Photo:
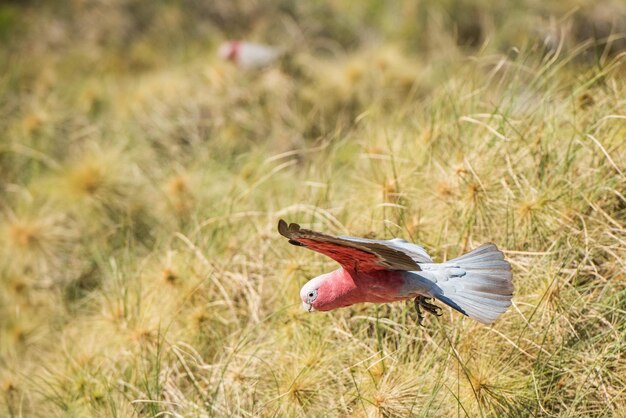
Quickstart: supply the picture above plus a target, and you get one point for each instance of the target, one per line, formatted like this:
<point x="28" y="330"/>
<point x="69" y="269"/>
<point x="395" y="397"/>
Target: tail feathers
<point x="484" y="290"/>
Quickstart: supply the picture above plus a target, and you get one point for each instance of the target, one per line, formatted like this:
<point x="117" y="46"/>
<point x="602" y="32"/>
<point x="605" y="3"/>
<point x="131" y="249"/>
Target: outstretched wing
<point x="360" y="254"/>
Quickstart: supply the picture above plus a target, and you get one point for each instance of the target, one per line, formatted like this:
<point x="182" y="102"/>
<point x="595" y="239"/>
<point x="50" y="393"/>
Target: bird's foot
<point x="422" y="302"/>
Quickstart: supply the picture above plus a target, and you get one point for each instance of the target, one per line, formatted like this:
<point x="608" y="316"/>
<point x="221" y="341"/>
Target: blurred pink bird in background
<point x="477" y="284"/>
<point x="249" y="55"/>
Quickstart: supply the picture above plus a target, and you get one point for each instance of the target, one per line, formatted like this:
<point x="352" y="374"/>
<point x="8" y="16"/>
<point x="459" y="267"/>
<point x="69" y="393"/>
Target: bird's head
<point x="313" y="292"/>
<point x="328" y="291"/>
<point x="229" y="50"/>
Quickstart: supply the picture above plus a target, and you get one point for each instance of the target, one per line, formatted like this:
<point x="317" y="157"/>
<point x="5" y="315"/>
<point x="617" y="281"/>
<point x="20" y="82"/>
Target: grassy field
<point x="141" y="181"/>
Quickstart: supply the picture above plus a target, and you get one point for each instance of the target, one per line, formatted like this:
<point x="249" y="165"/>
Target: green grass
<point x="141" y="273"/>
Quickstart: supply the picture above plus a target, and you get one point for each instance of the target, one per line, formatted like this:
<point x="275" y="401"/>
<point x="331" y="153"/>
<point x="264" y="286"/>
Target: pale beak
<point x="308" y="307"/>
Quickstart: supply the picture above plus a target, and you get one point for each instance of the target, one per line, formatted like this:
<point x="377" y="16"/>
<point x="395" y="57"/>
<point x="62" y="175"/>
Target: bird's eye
<point x="312" y="295"/>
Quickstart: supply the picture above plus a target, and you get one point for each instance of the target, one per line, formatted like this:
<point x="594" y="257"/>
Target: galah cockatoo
<point x="477" y="284"/>
<point x="249" y="55"/>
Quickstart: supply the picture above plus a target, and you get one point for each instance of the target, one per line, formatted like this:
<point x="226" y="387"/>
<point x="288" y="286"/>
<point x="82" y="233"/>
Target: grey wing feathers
<point x="417" y="253"/>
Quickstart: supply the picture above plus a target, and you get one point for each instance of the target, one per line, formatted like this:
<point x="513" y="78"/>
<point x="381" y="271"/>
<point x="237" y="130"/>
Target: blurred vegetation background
<point x="141" y="180"/>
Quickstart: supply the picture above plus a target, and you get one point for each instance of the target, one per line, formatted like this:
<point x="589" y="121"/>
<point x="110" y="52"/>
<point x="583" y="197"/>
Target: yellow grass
<point x="141" y="273"/>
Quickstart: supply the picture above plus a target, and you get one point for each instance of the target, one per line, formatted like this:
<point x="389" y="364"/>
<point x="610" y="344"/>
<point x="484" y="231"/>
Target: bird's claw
<point x="422" y="302"/>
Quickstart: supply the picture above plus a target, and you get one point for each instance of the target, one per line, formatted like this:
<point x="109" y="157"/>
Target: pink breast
<point x="345" y="288"/>
<point x="381" y="286"/>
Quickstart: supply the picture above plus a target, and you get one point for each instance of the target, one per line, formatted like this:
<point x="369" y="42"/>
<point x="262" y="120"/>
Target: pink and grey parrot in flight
<point x="249" y="55"/>
<point x="477" y="284"/>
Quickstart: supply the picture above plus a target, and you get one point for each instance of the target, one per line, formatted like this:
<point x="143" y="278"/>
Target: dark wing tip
<point x="283" y="229"/>
<point x="294" y="227"/>
<point x="288" y="231"/>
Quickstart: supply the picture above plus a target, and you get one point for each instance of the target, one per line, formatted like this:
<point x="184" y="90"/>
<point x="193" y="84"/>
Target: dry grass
<point x="140" y="270"/>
